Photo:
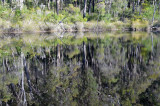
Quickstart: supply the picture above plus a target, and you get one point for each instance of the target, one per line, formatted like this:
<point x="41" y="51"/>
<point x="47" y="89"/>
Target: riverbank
<point x="37" y="21"/>
<point x="38" y="27"/>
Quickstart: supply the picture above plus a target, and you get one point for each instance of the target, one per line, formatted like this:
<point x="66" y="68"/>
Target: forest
<point x="79" y="53"/>
<point x="78" y="15"/>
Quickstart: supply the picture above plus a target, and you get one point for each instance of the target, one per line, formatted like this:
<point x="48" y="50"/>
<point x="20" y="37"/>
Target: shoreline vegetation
<point x="80" y="27"/>
<point x="101" y="26"/>
<point x="24" y="16"/>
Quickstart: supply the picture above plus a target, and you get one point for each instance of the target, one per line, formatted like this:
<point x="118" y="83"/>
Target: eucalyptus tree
<point x="57" y="6"/>
<point x="85" y="8"/>
<point x="89" y="7"/>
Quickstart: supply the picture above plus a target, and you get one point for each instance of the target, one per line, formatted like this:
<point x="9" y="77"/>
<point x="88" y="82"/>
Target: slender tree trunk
<point x="84" y="55"/>
<point x="49" y="2"/>
<point x="106" y="6"/>
<point x="27" y="74"/>
<point x="155" y="7"/>
<point x="89" y="8"/>
<point x="76" y="3"/>
<point x="85" y="8"/>
<point x="159" y="9"/>
<point x="10" y="3"/>
<point x="142" y="1"/>
<point x="3" y="1"/>
<point x="23" y="101"/>
<point x="93" y="5"/>
<point x="57" y="6"/>
<point x="110" y="4"/>
<point x="80" y="4"/>
<point x="58" y="55"/>
<point x="123" y="12"/>
<point x="21" y="4"/>
<point x="129" y="3"/>
<point x="138" y="1"/>
<point x="133" y="7"/>
<point x="61" y="4"/>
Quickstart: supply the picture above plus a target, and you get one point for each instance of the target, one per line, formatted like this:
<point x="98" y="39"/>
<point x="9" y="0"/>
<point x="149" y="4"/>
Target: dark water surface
<point x="106" y="69"/>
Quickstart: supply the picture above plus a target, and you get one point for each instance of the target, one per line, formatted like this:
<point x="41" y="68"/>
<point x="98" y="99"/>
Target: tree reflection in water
<point x="89" y="70"/>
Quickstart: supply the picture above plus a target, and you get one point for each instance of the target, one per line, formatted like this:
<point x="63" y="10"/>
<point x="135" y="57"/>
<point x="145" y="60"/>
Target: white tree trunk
<point x="23" y="101"/>
<point x="85" y="8"/>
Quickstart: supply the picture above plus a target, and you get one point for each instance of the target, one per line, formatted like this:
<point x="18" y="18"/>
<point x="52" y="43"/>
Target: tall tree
<point x="85" y="8"/>
<point x="89" y="7"/>
<point x="155" y="7"/>
<point x="57" y="6"/>
<point x="93" y="5"/>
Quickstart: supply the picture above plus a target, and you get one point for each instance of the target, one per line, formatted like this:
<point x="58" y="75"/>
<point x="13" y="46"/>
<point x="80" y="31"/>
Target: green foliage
<point x="4" y="12"/>
<point x="140" y="24"/>
<point x="72" y="10"/>
<point x="32" y="17"/>
<point x="101" y="8"/>
<point x="17" y="16"/>
<point x="148" y="13"/>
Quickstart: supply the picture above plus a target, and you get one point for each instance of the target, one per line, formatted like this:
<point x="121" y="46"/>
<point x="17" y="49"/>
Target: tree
<point x="85" y="8"/>
<point x="89" y="7"/>
<point x="57" y="6"/>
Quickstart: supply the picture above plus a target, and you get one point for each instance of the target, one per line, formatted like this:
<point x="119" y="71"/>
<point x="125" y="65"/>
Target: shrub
<point x="140" y="24"/>
<point x="30" y="26"/>
<point x="90" y="25"/>
<point x="101" y="8"/>
<point x="68" y="27"/>
<point x="75" y="18"/>
<point x="73" y="10"/>
<point x="79" y="26"/>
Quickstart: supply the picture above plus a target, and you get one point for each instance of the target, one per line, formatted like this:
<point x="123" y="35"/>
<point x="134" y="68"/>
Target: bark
<point x="89" y="7"/>
<point x="154" y="12"/>
<point x="49" y="2"/>
<point x="61" y="4"/>
<point x="3" y="1"/>
<point x="110" y="4"/>
<point x="21" y="4"/>
<point x="76" y="3"/>
<point x="138" y="1"/>
<point x="84" y="55"/>
<point x="80" y="4"/>
<point x="58" y="55"/>
<point x="23" y="101"/>
<point x="106" y="6"/>
<point x="133" y="8"/>
<point x="27" y="74"/>
<point x="129" y="3"/>
<point x="57" y="6"/>
<point x="93" y="5"/>
<point x="85" y="8"/>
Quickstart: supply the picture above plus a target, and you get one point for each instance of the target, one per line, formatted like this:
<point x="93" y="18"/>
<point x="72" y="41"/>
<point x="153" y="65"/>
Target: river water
<point x="80" y="69"/>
